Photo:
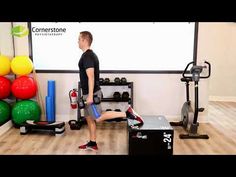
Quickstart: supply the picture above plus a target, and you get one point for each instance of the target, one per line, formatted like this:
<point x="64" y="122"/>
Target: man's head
<point x="85" y="39"/>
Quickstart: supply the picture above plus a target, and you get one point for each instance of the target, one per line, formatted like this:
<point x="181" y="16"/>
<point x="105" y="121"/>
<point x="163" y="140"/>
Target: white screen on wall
<point x="132" y="46"/>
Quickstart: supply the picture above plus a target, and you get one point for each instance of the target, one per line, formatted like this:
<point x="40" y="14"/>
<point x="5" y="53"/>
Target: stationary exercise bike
<point x="188" y="115"/>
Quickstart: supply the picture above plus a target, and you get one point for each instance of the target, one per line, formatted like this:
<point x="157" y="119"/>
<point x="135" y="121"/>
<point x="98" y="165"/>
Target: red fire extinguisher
<point x="73" y="98"/>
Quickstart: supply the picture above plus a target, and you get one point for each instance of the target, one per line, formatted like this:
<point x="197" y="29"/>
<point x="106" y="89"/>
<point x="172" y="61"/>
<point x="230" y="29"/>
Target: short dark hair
<point x="87" y="35"/>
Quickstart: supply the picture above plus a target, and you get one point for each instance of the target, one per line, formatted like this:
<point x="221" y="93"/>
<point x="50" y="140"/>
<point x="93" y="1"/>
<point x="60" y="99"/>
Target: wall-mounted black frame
<point x="195" y="47"/>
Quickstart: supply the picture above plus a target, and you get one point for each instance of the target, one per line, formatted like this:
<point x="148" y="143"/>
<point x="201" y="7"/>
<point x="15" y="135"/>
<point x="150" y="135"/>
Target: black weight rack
<point x="81" y="120"/>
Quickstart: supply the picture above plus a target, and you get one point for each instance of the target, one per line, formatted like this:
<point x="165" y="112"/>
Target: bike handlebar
<point x="202" y="77"/>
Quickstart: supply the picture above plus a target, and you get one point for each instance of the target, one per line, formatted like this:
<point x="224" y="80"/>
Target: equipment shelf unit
<point x="80" y="118"/>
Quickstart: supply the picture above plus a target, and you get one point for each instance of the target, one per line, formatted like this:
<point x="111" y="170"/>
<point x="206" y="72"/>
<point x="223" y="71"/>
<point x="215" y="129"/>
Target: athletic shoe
<point x="88" y="146"/>
<point x="131" y="114"/>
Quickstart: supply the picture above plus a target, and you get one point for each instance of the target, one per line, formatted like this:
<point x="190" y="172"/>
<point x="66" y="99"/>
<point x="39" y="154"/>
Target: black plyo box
<point x="155" y="137"/>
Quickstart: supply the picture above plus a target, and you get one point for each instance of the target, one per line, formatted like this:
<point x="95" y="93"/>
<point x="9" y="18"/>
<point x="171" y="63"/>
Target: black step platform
<point x="58" y="128"/>
<point x="154" y="137"/>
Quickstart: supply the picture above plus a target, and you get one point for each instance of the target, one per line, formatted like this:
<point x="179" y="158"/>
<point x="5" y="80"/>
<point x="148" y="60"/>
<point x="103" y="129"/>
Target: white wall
<point x="154" y="94"/>
<point x="21" y="43"/>
<point x="6" y="45"/>
<point x="217" y="43"/>
<point x="6" y="48"/>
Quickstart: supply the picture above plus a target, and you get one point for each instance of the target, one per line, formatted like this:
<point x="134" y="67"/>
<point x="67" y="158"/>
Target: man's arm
<point x="90" y="74"/>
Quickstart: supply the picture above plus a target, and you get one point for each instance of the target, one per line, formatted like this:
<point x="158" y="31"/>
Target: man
<point x="89" y="79"/>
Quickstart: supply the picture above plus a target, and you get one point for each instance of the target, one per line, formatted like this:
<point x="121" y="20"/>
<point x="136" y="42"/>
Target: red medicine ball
<point x="5" y="87"/>
<point x="24" y="87"/>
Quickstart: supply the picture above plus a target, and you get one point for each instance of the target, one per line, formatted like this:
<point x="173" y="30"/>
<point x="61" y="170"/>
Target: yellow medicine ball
<point x="5" y="65"/>
<point x="21" y="65"/>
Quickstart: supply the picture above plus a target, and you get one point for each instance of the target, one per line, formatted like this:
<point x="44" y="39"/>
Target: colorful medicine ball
<point x="24" y="87"/>
<point x="25" y="110"/>
<point x="5" y="65"/>
<point x="21" y="65"/>
<point x="5" y="87"/>
<point x="5" y="111"/>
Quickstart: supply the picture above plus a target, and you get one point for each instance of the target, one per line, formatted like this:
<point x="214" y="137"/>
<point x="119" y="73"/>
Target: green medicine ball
<point x="5" y="111"/>
<point x="25" y="110"/>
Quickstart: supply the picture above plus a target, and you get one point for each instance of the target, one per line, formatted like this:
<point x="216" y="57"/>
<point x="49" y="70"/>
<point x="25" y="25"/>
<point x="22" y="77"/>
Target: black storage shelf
<point x="113" y="100"/>
<point x="129" y="84"/>
<point x="80" y="119"/>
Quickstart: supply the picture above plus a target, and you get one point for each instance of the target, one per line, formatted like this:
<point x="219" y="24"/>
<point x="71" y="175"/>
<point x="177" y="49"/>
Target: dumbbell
<point x="123" y="80"/>
<point x="106" y="80"/>
<point x="108" y="110"/>
<point x="101" y="80"/>
<point x="82" y="103"/>
<point x="117" y="96"/>
<point x="74" y="125"/>
<point x="117" y="110"/>
<point x="117" y="80"/>
<point x="125" y="96"/>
